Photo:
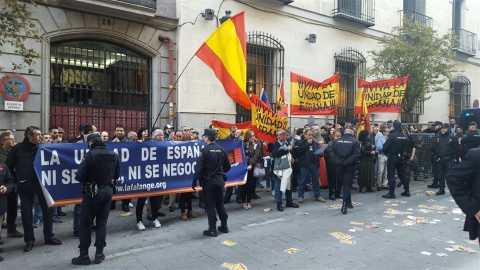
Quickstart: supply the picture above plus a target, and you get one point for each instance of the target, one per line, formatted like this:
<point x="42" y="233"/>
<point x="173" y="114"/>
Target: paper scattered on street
<point x="291" y="250"/>
<point x="460" y="248"/>
<point x="229" y="243"/>
<point x="126" y="214"/>
<point x="302" y="213"/>
<point x="234" y="266"/>
<point x="430" y="193"/>
<point x="388" y="216"/>
<point x="426" y="253"/>
<point x="388" y="230"/>
<point x="442" y="255"/>
<point x="356" y="223"/>
<point x="352" y="230"/>
<point x="451" y="242"/>
<point x="267" y="209"/>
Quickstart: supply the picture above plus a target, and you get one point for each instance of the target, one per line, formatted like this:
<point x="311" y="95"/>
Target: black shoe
<point x="1" y="250"/>
<point x="279" y="207"/>
<point x="292" y="204"/>
<point x="125" y="208"/>
<point x="344" y="208"/>
<point x="350" y="205"/>
<point x="223" y="229"/>
<point x="61" y="213"/>
<point x="210" y="232"/>
<point x="441" y="192"/>
<point x="331" y="197"/>
<point x="433" y="186"/>
<point x="399" y="184"/>
<point x="99" y="258"/>
<point x="1" y="241"/>
<point x="15" y="234"/>
<point x="76" y="234"/>
<point x="53" y="241"/>
<point x="160" y="214"/>
<point x="406" y="194"/>
<point x="1" y="258"/>
<point x="171" y="209"/>
<point x="239" y="201"/>
<point x="81" y="260"/>
<point x="28" y="247"/>
<point x="389" y="196"/>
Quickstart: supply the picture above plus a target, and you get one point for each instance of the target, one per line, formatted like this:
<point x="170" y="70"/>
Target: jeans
<point x="37" y="210"/>
<point x="214" y="200"/>
<point x="97" y="207"/>
<point x="305" y="172"/>
<point x="77" y="211"/>
<point x="278" y="193"/>
<point x="382" y="171"/>
<point x="27" y="215"/>
<point x="12" y="205"/>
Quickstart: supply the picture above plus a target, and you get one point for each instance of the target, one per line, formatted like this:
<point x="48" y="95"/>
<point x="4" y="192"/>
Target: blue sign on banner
<point x="147" y="169"/>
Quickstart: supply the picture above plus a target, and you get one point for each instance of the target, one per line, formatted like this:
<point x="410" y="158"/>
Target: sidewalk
<point x="262" y="237"/>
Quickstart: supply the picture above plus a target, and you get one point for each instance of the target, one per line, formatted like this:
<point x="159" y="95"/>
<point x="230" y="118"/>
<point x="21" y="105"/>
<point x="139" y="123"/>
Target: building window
<point x="459" y="96"/>
<point x="414" y="116"/>
<point x="360" y="11"/>
<point x="350" y="63"/>
<point x="466" y="40"/>
<point x="415" y="10"/>
<point x="265" y="59"/>
<point x="99" y="83"/>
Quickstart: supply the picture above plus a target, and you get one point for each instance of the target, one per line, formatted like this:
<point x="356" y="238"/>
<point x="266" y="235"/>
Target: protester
<point x="185" y="200"/>
<point x="253" y="155"/>
<point x="366" y="166"/>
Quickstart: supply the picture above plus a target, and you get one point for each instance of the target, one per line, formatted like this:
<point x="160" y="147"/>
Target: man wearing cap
<point x="212" y="164"/>
<point x="98" y="172"/>
<point x="168" y="131"/>
<point x="60" y="136"/>
<point x="394" y="148"/>
<point x="445" y="148"/>
<point x="473" y="137"/>
<point x="436" y="127"/>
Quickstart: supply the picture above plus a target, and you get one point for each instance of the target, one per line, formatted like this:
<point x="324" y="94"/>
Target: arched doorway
<point x="351" y="65"/>
<point x="99" y="83"/>
<point x="459" y="96"/>
<point x="265" y="60"/>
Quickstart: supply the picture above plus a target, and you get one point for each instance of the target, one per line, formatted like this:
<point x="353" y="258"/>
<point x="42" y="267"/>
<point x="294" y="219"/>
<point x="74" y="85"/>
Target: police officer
<point x="98" y="171"/>
<point x="473" y="137"/>
<point x="212" y="164"/>
<point x="445" y="148"/>
<point x="394" y="148"/>
<point x="345" y="153"/>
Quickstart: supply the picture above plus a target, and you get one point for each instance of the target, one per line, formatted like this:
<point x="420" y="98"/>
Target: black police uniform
<point x="210" y="169"/>
<point x="471" y="141"/>
<point x="395" y="148"/>
<point x="464" y="184"/>
<point x="445" y="147"/>
<point x="98" y="170"/>
<point x="345" y="153"/>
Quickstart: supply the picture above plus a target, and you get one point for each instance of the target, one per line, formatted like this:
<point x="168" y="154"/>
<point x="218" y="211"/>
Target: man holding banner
<point x="20" y="162"/>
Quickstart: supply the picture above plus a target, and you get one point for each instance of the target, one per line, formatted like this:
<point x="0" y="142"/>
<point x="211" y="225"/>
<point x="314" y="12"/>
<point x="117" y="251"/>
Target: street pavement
<point x="261" y="238"/>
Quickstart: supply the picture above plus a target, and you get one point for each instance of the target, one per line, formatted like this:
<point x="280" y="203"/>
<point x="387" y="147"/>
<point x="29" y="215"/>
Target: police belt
<point x="102" y="186"/>
<point x="214" y="176"/>
<point x="395" y="154"/>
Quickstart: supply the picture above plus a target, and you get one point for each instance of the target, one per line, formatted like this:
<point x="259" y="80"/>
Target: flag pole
<point x="171" y="90"/>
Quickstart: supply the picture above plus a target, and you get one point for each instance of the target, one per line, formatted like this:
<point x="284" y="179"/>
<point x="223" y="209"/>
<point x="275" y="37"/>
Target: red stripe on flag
<point x="231" y="88"/>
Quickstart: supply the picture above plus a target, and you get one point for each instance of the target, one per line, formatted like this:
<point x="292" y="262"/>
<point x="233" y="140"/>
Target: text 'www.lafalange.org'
<point x="137" y="186"/>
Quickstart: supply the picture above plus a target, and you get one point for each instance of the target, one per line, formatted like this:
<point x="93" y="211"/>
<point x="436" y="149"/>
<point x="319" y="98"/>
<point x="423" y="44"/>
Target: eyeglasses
<point x="216" y="130"/>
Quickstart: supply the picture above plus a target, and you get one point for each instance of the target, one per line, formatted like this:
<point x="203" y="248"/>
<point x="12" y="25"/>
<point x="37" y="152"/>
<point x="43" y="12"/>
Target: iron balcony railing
<point x="417" y="17"/>
<point x="143" y="3"/>
<point x="361" y="11"/>
<point x="467" y="41"/>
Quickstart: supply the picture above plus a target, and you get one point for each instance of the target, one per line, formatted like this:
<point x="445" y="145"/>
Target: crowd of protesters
<point x="301" y="144"/>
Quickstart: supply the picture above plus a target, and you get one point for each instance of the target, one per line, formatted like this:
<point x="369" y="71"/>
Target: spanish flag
<point x="225" y="53"/>
<point x="282" y="108"/>
<point x="364" y="119"/>
<point x="358" y="98"/>
<point x="264" y="122"/>
<point x="224" y="128"/>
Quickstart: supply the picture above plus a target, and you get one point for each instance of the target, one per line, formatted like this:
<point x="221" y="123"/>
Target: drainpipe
<point x="170" y="75"/>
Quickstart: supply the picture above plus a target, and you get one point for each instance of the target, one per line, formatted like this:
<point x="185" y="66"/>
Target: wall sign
<point x="14" y="87"/>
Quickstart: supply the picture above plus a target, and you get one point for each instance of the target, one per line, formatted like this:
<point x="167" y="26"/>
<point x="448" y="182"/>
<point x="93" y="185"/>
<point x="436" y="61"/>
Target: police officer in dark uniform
<point x="345" y="153"/>
<point x="212" y="164"/>
<point x="473" y="137"/>
<point x="394" y="148"/>
<point x="98" y="172"/>
<point x="445" y="148"/>
<point x="437" y="126"/>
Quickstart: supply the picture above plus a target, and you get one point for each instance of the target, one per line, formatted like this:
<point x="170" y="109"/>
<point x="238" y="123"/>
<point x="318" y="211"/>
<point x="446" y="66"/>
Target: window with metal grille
<point x="415" y="10"/>
<point x="360" y="11"/>
<point x="459" y="96"/>
<point x="351" y="64"/>
<point x="99" y="83"/>
<point x="265" y="59"/>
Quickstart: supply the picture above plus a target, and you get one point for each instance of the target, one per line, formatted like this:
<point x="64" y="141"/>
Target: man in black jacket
<point x="98" y="171"/>
<point x="464" y="184"/>
<point x="345" y="153"/>
<point x="445" y="148"/>
<point x="309" y="165"/>
<point x="6" y="186"/>
<point x="20" y="162"/>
